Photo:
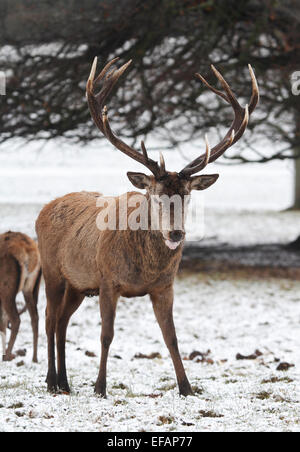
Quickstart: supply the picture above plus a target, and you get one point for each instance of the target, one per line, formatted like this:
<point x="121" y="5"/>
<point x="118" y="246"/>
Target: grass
<point x="263" y="395"/>
<point x="277" y="380"/>
<point x="16" y="405"/>
<point x="166" y="420"/>
<point x="210" y="414"/>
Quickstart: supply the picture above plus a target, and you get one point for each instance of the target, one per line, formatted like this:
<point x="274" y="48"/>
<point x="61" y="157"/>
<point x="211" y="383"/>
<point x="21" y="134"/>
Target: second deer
<point x="20" y="271"/>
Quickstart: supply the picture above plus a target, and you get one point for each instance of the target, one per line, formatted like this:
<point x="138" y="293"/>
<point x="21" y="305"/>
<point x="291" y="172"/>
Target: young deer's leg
<point x="3" y="326"/>
<point x="163" y="308"/>
<point x="108" y="304"/>
<point x="14" y="319"/>
<point x="3" y="339"/>
<point x="31" y="299"/>
<point x="22" y="310"/>
<point x="54" y="299"/>
<point x="71" y="302"/>
<point x="31" y="304"/>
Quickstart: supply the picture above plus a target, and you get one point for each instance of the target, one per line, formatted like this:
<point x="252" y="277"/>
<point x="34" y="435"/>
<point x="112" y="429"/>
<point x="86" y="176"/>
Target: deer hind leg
<point x="54" y="293"/>
<point x="163" y="308"/>
<point x="108" y="304"/>
<point x="71" y="302"/>
<point x="31" y="300"/>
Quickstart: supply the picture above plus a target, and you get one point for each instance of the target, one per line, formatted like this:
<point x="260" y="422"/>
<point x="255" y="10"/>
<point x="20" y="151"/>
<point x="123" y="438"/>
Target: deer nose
<point x="176" y="236"/>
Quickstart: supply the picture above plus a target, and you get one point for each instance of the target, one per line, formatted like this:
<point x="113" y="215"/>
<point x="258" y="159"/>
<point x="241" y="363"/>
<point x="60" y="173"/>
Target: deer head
<point x="163" y="184"/>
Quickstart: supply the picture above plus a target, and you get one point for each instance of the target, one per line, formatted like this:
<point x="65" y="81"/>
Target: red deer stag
<point x="79" y="258"/>
<point x="20" y="271"/>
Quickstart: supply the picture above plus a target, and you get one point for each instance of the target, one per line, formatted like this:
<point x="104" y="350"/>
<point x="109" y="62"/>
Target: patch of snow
<point x="30" y="174"/>
<point x="226" y="316"/>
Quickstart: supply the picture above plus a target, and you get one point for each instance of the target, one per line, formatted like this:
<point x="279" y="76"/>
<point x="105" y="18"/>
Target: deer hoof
<point x="100" y="390"/>
<point x="51" y="381"/>
<point x="185" y="389"/>
<point x="64" y="387"/>
<point x="9" y="357"/>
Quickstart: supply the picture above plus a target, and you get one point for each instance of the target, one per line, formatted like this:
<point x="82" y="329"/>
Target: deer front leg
<point x="108" y="304"/>
<point x="162" y="301"/>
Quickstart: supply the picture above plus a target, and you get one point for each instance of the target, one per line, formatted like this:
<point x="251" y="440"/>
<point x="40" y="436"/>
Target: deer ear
<point x="203" y="182"/>
<point x="139" y="180"/>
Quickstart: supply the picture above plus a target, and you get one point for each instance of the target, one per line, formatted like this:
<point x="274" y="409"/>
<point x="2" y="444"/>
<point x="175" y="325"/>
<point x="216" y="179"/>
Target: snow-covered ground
<point x="226" y="314"/>
<point x="222" y="314"/>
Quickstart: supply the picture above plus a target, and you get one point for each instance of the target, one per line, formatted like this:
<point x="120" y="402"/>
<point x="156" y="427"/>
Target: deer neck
<point x="156" y="257"/>
<point x="153" y="242"/>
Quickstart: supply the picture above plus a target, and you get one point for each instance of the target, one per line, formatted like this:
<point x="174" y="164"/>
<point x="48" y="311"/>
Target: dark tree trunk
<point x="297" y="165"/>
<point x="296" y="204"/>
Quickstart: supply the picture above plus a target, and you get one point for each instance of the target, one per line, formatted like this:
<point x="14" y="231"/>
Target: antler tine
<point x="96" y="101"/>
<point x="255" y="91"/>
<point x="231" y="97"/>
<point x="200" y="163"/>
<point x="102" y="73"/>
<point x="162" y="164"/>
<point x="144" y="151"/>
<point x="238" y="127"/>
<point x="214" y="90"/>
<point x="207" y="152"/>
<point x="104" y="70"/>
<point x="100" y="115"/>
<point x="243" y="126"/>
<point x="233" y="138"/>
<point x="93" y="70"/>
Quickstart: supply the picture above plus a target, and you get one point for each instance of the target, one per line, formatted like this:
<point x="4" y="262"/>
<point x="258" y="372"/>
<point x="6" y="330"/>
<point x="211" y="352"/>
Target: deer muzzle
<point x="174" y="239"/>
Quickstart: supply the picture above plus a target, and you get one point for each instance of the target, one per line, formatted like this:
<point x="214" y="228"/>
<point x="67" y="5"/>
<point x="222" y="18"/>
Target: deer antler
<point x="238" y="127"/>
<point x="99" y="113"/>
